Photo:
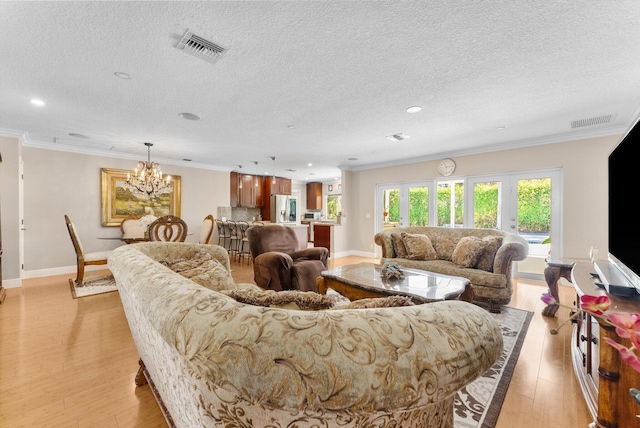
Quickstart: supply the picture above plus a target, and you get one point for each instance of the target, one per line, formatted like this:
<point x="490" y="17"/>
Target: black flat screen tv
<point x="624" y="193"/>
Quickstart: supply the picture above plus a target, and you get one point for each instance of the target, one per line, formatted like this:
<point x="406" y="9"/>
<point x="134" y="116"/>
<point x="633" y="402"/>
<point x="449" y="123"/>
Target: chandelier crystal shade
<point x="147" y="180"/>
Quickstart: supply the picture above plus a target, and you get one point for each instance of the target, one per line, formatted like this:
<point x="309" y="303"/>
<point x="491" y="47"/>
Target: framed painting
<point x="119" y="203"/>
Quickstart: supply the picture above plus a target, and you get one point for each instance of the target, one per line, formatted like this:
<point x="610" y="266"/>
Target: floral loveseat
<point x="216" y="362"/>
<point x="484" y="257"/>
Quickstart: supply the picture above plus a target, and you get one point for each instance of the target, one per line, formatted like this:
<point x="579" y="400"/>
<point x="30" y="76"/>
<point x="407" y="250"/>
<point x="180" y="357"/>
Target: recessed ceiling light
<point x="500" y="128"/>
<point x="122" y="75"/>
<point x="291" y="127"/>
<point x="189" y="116"/>
<point x="77" y="135"/>
<point x="352" y="159"/>
<point x="414" y="109"/>
<point x="37" y="102"/>
<point x="309" y="164"/>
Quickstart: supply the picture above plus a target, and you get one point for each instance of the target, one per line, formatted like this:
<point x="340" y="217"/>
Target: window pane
<point x="391" y="206"/>
<point x="334" y="206"/>
<point x="486" y="210"/>
<point x="419" y="206"/>
<point x="450" y="203"/>
<point x="534" y="213"/>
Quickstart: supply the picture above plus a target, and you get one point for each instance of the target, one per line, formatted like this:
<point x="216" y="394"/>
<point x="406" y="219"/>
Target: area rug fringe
<point x="93" y="286"/>
<point x="478" y="404"/>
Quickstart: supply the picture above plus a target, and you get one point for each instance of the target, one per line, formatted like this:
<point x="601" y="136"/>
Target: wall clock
<point x="446" y="167"/>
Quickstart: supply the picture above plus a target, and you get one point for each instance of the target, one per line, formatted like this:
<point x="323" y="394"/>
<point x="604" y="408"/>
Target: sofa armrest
<point x="384" y="241"/>
<point x="272" y="270"/>
<point x="315" y="253"/>
<point x="514" y="248"/>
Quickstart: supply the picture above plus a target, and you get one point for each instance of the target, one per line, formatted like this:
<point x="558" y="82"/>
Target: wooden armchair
<point x="168" y="228"/>
<point x="84" y="259"/>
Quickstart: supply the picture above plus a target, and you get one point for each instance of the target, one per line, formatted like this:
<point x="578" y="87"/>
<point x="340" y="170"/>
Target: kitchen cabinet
<point x="282" y="186"/>
<point x="246" y="190"/>
<point x="314" y="196"/>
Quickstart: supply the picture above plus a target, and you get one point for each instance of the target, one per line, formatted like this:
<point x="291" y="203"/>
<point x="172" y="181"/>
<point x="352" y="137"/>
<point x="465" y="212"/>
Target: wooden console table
<point x="605" y="379"/>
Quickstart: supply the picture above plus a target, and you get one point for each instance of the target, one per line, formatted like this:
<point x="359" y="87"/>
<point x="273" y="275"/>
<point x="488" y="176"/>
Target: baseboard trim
<point x="12" y="283"/>
<point x="39" y="273"/>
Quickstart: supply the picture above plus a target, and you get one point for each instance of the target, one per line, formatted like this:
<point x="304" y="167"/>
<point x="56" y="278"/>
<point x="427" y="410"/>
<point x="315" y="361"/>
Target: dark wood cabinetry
<point x="282" y="186"/>
<point x="605" y="379"/>
<point x="246" y="190"/>
<point x="314" y="196"/>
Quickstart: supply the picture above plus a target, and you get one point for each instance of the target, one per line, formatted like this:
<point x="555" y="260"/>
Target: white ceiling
<point x="341" y="74"/>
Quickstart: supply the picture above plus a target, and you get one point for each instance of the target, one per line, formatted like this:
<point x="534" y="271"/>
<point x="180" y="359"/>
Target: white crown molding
<point x="558" y="138"/>
<point x="28" y="142"/>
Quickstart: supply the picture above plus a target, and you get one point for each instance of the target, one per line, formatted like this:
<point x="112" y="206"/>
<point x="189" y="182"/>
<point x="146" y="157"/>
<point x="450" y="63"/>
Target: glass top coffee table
<point x="363" y="280"/>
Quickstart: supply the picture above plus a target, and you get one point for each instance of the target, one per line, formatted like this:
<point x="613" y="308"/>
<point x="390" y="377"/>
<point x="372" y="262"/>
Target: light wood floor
<point x="71" y="362"/>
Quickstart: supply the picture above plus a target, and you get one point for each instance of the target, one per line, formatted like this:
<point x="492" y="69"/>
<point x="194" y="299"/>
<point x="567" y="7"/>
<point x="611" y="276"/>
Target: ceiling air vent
<point x="591" y="121"/>
<point x="197" y="46"/>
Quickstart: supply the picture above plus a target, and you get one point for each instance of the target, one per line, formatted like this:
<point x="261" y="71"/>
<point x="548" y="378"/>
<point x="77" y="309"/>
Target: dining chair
<point x="131" y="229"/>
<point x="84" y="259"/>
<point x="168" y="228"/>
<point x="206" y="231"/>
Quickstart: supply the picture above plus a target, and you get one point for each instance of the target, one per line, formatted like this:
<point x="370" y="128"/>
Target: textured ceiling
<point x="316" y="82"/>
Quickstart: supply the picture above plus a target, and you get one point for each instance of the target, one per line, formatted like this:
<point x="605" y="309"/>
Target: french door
<point x="527" y="204"/>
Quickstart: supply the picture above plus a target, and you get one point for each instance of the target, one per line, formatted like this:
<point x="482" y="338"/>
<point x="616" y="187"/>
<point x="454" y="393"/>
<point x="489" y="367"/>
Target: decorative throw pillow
<point x="485" y="261"/>
<point x="468" y="251"/>
<point x="444" y="246"/>
<point x="203" y="270"/>
<point x="418" y="247"/>
<point x="398" y="246"/>
<point x="379" y="302"/>
<point x="287" y="299"/>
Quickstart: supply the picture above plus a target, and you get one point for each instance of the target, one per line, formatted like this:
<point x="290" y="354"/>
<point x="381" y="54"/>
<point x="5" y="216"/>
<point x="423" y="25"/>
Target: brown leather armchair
<point x="278" y="264"/>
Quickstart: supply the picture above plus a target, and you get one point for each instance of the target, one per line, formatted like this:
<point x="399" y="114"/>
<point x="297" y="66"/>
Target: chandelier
<point x="147" y="180"/>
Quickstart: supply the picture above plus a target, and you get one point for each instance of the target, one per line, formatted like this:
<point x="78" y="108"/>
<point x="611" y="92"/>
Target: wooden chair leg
<point x="80" y="276"/>
<point x="140" y="379"/>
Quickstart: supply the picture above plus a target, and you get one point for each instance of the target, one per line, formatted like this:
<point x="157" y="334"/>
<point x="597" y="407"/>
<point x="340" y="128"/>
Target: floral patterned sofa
<point x="484" y="257"/>
<point x="216" y="362"/>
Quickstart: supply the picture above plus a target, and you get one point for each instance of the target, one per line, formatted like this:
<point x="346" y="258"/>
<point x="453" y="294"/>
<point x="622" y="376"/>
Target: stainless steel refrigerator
<point x="284" y="209"/>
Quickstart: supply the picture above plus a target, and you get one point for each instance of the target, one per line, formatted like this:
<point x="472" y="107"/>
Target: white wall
<point x="584" y="166"/>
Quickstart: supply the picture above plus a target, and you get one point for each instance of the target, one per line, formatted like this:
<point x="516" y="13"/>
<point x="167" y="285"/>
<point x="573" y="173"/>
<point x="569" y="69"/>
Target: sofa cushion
<point x="398" y="245"/>
<point x="203" y="270"/>
<point x="444" y="246"/>
<point x="418" y="247"/>
<point x="485" y="261"/>
<point x="467" y="251"/>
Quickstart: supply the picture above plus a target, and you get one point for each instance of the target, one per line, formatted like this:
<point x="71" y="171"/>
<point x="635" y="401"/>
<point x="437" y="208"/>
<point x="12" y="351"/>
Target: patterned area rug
<point x="93" y="286"/>
<point x="478" y="404"/>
